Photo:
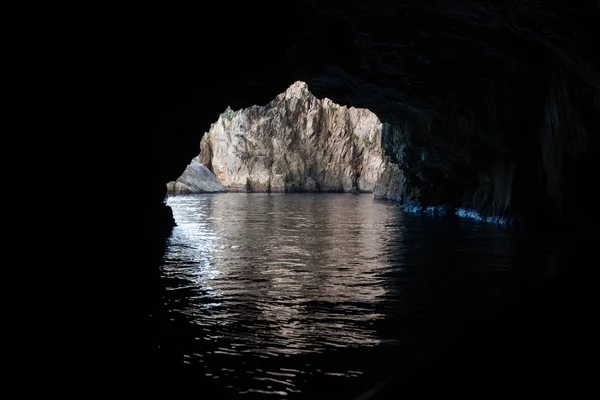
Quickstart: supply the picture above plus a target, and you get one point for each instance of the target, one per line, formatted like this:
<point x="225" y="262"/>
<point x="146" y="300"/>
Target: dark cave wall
<point x="517" y="159"/>
<point x="474" y="93"/>
<point x="489" y="105"/>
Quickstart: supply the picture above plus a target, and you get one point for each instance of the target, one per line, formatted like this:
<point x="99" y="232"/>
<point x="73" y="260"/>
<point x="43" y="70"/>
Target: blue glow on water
<point x="459" y="212"/>
<point x="431" y="210"/>
<point x="412" y="208"/>
<point x="438" y="210"/>
<point x="466" y="213"/>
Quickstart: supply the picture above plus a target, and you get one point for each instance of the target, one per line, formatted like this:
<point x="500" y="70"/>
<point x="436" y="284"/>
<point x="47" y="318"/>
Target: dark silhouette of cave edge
<point x="177" y="98"/>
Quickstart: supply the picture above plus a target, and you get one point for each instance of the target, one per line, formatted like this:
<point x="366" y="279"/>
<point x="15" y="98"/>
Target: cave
<point x="490" y="106"/>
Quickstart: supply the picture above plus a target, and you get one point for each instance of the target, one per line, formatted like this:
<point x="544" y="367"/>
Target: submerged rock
<point x="296" y="143"/>
<point x="195" y="179"/>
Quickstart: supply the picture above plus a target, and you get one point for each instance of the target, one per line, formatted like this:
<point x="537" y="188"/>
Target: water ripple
<point x="262" y="283"/>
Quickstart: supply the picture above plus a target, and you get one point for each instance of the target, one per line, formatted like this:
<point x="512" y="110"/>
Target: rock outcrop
<point x="195" y="179"/>
<point x="391" y="184"/>
<point x="296" y="143"/>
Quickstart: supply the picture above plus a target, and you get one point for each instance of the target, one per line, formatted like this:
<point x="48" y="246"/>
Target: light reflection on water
<point x="274" y="287"/>
<point x="279" y="260"/>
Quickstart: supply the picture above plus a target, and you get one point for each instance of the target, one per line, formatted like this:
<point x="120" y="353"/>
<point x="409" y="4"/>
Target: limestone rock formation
<point x="195" y="179"/>
<point x="296" y="143"/>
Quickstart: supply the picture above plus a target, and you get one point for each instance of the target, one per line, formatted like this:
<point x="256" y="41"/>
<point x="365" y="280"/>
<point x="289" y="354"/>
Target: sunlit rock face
<point x="296" y="143"/>
<point x="195" y="179"/>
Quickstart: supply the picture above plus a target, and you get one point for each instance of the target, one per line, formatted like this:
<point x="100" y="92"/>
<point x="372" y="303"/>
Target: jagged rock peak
<point x="298" y="90"/>
<point x="295" y="143"/>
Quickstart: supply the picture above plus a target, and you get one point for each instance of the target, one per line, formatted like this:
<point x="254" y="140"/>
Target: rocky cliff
<point x="195" y="179"/>
<point x="296" y="143"/>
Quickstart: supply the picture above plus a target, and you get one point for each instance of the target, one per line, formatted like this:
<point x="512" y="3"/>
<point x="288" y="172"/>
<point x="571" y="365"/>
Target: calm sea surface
<point x="294" y="295"/>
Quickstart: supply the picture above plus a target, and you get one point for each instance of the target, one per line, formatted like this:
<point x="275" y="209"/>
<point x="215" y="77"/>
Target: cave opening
<point x="488" y="112"/>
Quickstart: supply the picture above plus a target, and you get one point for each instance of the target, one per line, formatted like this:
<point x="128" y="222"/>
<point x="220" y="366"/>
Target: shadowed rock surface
<point x="390" y="184"/>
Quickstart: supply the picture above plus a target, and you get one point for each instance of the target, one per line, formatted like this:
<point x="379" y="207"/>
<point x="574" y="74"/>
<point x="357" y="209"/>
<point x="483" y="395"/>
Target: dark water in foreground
<point x="297" y="295"/>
